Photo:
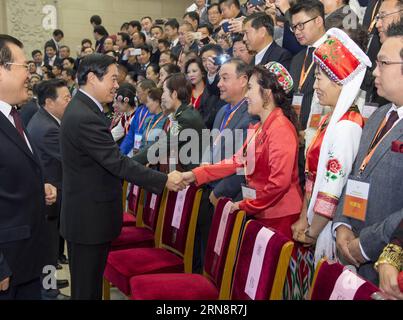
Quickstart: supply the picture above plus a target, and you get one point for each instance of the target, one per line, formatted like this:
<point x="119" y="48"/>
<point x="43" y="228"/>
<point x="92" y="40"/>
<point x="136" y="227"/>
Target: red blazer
<point x="275" y="173"/>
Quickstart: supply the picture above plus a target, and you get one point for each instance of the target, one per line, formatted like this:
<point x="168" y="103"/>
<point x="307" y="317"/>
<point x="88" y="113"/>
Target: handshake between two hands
<point x="178" y="181"/>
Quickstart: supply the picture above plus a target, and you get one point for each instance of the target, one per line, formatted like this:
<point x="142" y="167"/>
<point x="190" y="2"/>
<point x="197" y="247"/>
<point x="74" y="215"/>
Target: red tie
<point x="17" y="122"/>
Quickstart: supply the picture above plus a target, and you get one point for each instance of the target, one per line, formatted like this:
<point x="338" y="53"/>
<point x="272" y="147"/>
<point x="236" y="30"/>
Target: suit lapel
<point x="48" y="116"/>
<point x="266" y="58"/>
<point x="384" y="146"/>
<point x="12" y="133"/>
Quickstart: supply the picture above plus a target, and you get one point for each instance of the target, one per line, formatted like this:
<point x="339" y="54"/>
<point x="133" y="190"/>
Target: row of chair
<point x="152" y="257"/>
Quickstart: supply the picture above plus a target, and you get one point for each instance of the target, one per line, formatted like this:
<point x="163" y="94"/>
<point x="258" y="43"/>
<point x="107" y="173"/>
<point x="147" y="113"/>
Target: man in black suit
<point x="259" y="29"/>
<point x="58" y="35"/>
<point x="51" y="58"/>
<point x="23" y="192"/>
<point x="93" y="169"/>
<point x="308" y="25"/>
<point x="44" y="128"/>
<point x="28" y="109"/>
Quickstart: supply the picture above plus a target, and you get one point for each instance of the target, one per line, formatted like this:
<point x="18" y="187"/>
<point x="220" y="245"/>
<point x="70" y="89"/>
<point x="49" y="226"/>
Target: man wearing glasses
<point x="23" y="193"/>
<point x="378" y="166"/>
<point x="390" y="11"/>
<point x="307" y="23"/>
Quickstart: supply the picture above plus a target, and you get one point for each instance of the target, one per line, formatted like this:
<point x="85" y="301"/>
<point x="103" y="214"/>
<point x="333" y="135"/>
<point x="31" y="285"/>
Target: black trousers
<point x="204" y="219"/>
<point x="87" y="264"/>
<point x="26" y="291"/>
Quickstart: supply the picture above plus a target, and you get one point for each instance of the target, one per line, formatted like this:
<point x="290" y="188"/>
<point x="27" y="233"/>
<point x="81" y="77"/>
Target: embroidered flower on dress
<point x="334" y="169"/>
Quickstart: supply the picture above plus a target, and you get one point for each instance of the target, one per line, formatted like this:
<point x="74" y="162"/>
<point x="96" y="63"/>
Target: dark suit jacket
<point x="231" y="186"/>
<point x="22" y="203"/>
<point x="28" y="110"/>
<point x="278" y="54"/>
<point x="93" y="168"/>
<point x="187" y="118"/>
<point x="209" y="106"/>
<point x="307" y="89"/>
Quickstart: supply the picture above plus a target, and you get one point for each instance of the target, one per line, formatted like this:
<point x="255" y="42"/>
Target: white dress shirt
<point x="93" y="99"/>
<point x="5" y="109"/>
<point x="259" y="56"/>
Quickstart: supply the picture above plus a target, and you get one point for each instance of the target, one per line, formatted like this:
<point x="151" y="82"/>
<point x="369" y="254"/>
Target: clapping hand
<point x="175" y="181"/>
<point x="50" y="194"/>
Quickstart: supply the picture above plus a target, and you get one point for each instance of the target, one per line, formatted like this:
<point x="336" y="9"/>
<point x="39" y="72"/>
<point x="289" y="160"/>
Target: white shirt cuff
<point x="338" y="224"/>
<point x="363" y="253"/>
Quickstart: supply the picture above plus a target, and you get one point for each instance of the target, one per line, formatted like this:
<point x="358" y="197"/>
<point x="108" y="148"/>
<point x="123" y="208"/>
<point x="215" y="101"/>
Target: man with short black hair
<point x="214" y="18"/>
<point x="134" y="26"/>
<point x="231" y="9"/>
<point x="259" y="29"/>
<point x="64" y="52"/>
<point x="53" y="97"/>
<point x="193" y="18"/>
<point x="24" y="192"/>
<point x="93" y="168"/>
<point x="146" y="24"/>
<point x="96" y="20"/>
<point x="308" y="25"/>
<point x="38" y="59"/>
<point x="58" y="35"/>
<point x="171" y="29"/>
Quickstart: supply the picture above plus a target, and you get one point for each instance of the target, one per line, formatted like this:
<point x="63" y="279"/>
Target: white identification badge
<point x="137" y="141"/>
<point x="248" y="193"/>
<point x="256" y="264"/>
<point x="178" y="211"/>
<point x="222" y="227"/>
<point x="356" y="199"/>
<point x="346" y="286"/>
<point x="368" y="110"/>
<point x="136" y="190"/>
<point x="297" y="102"/>
<point x="153" y="201"/>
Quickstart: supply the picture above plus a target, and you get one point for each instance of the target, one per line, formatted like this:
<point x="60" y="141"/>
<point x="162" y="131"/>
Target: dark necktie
<point x="18" y="123"/>
<point x="309" y="57"/>
<point x="393" y="117"/>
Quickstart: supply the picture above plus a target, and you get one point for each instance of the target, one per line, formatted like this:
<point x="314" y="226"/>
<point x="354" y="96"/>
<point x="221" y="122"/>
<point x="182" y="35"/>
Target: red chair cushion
<point x="124" y="264"/>
<point x="133" y="237"/>
<point x="326" y="280"/>
<point x="129" y="219"/>
<point x="269" y="266"/>
<point x="175" y="286"/>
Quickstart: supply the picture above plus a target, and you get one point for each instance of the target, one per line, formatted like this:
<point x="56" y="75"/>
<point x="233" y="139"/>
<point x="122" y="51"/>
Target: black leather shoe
<point x="63" y="260"/>
<point x="62" y="283"/>
<point x="59" y="266"/>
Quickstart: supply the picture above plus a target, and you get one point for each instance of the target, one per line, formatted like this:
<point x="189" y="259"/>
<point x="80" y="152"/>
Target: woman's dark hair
<point x="199" y="63"/>
<point x="155" y="94"/>
<point x="268" y="80"/>
<point x="126" y="90"/>
<point x="179" y="83"/>
<point x="96" y="63"/>
<point x="171" y="68"/>
<point x="155" y="67"/>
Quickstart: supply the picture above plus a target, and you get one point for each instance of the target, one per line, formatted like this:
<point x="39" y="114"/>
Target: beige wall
<point x="23" y="18"/>
<point x="74" y="15"/>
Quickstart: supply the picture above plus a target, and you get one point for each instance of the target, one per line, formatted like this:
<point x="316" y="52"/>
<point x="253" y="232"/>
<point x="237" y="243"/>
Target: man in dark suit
<point x="307" y="18"/>
<point x="28" y="109"/>
<point x="93" y="169"/>
<point x="22" y="192"/>
<point x="379" y="167"/>
<point x="44" y="128"/>
<point x="58" y="35"/>
<point x="51" y="58"/>
<point x="259" y="29"/>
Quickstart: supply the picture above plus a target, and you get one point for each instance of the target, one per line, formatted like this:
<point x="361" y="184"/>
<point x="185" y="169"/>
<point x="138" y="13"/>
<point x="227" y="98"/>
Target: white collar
<point x="53" y="116"/>
<point x="259" y="57"/>
<point x="175" y="42"/>
<point x="93" y="99"/>
<point x="5" y="108"/>
<point x="398" y="109"/>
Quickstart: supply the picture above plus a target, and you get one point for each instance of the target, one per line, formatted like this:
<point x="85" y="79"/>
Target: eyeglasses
<point x="26" y="66"/>
<point x="381" y="16"/>
<point x="301" y="26"/>
<point x="383" y="63"/>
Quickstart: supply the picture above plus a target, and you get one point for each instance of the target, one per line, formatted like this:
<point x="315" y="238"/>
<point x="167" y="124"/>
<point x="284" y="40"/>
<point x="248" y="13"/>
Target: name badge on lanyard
<point x="356" y="199"/>
<point x="316" y="115"/>
<point x="137" y="141"/>
<point x="297" y="103"/>
<point x="248" y="193"/>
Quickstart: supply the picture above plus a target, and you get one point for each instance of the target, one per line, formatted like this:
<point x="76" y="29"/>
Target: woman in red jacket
<point x="269" y="155"/>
